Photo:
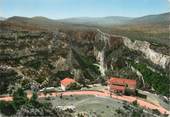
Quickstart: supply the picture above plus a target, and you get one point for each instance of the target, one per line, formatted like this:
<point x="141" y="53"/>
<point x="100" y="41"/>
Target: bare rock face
<point x="87" y="55"/>
<point x="144" y="47"/>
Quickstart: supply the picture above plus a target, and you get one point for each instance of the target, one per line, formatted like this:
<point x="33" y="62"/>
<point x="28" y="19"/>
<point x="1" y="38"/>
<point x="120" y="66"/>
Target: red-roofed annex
<point x="66" y="82"/>
<point x="119" y="85"/>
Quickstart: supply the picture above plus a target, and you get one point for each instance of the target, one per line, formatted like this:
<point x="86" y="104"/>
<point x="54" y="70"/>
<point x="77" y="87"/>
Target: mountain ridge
<point x="163" y="18"/>
<point x="2" y="18"/>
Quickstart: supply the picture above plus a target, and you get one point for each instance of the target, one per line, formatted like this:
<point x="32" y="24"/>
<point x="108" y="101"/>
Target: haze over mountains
<point x="38" y="53"/>
<point x="2" y="18"/>
<point x="103" y="21"/>
<point x="162" y="19"/>
<point x="151" y="28"/>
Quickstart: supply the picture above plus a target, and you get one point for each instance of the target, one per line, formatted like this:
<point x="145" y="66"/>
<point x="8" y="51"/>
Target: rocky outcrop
<point x="144" y="47"/>
<point x="67" y="108"/>
<point x="88" y="56"/>
<point x="139" y="75"/>
<point x="41" y="112"/>
<point x="102" y="42"/>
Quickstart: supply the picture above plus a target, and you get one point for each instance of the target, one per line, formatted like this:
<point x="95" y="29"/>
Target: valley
<point x="38" y="53"/>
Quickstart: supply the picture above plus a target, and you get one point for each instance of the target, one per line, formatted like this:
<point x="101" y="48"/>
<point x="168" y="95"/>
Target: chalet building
<point x="120" y="85"/>
<point x="66" y="82"/>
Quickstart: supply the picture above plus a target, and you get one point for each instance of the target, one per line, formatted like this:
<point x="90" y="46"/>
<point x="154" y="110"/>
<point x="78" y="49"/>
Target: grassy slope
<point x="103" y="107"/>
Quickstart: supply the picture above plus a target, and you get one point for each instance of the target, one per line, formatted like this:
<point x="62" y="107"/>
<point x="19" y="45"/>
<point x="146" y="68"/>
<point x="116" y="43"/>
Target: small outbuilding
<point x="65" y="83"/>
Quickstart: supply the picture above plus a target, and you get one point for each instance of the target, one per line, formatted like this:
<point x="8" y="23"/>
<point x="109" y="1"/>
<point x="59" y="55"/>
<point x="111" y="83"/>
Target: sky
<point x="58" y="9"/>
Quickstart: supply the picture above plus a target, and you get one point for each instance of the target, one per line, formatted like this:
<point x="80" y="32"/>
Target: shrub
<point x="63" y="74"/>
<point x="19" y="99"/>
<point x="33" y="101"/>
<point x="119" y="111"/>
<point x="25" y="82"/>
<point x="135" y="103"/>
<point x="136" y="114"/>
<point x="156" y="111"/>
<point x="7" y="108"/>
<point x="74" y="86"/>
<point x="129" y="92"/>
<point x="40" y="79"/>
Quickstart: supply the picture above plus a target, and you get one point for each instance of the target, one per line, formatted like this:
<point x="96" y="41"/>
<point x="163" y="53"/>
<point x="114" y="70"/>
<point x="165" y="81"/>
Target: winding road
<point x="130" y="99"/>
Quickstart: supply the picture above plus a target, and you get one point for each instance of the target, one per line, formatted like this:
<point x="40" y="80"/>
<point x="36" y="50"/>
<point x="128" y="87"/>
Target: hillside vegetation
<point x="42" y="51"/>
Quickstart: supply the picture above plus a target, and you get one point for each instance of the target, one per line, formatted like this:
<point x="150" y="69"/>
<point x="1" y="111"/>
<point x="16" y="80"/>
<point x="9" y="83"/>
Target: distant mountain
<point x="161" y="19"/>
<point x="96" y="21"/>
<point x="18" y="18"/>
<point x="37" y="19"/>
<point x="152" y="19"/>
<point x="102" y="21"/>
<point x="42" y="19"/>
<point x="2" y="18"/>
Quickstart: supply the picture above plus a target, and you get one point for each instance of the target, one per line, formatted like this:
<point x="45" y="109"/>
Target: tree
<point x="33" y="102"/>
<point x="79" y="77"/>
<point x="34" y="98"/>
<point x="19" y="98"/>
<point x="7" y="108"/>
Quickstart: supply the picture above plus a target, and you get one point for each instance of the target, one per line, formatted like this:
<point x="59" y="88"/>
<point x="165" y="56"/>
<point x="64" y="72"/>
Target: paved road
<point x="130" y="99"/>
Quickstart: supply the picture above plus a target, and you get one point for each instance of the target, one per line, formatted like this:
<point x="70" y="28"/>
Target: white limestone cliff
<point x="144" y="47"/>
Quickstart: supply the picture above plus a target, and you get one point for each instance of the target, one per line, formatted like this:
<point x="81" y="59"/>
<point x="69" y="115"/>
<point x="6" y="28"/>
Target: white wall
<point x="63" y="87"/>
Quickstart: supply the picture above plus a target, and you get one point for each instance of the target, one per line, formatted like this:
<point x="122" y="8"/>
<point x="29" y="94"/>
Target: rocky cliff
<point x="150" y="54"/>
<point x="144" y="47"/>
<point x="90" y="56"/>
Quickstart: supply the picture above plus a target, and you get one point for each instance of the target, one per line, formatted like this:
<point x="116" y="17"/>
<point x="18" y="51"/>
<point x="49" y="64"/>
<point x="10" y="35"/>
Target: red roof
<point x="117" y="88"/>
<point x="122" y="81"/>
<point x="67" y="81"/>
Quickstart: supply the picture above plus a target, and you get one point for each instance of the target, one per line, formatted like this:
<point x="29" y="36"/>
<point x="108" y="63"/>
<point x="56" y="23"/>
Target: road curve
<point x="129" y="99"/>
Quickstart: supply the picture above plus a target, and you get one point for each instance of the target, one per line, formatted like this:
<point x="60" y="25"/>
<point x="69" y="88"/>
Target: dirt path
<point x="6" y="98"/>
<point x="130" y="99"/>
